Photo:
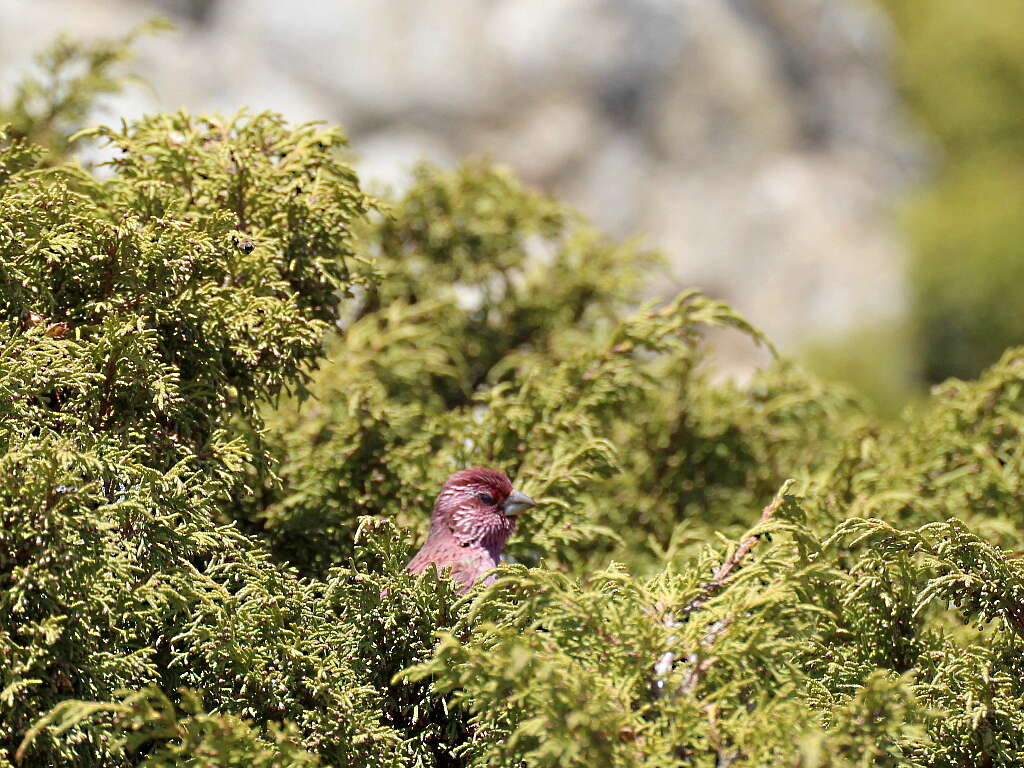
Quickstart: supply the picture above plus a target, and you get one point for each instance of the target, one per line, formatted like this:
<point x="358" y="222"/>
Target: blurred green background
<point x="959" y="67"/>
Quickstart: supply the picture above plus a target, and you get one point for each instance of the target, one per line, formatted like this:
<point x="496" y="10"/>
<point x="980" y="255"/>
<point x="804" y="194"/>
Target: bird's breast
<point x="466" y="565"/>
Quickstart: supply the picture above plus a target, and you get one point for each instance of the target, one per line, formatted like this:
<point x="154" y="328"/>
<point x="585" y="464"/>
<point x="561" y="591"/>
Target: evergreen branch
<point x="735" y="560"/>
<point x="699" y="667"/>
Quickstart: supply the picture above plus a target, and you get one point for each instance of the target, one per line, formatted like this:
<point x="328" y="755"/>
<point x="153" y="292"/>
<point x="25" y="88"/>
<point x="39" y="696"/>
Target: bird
<point x="473" y="517"/>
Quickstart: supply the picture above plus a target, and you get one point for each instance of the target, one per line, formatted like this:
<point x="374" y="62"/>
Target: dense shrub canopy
<point x="231" y="385"/>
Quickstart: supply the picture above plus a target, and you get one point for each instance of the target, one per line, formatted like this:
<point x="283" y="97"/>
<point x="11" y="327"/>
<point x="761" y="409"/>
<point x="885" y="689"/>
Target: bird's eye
<point x="486" y="498"/>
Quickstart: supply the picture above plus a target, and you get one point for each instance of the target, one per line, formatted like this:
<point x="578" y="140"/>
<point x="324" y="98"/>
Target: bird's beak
<point x="516" y="502"/>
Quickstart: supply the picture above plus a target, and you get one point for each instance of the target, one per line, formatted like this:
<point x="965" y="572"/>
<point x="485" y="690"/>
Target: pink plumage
<point x="472" y="519"/>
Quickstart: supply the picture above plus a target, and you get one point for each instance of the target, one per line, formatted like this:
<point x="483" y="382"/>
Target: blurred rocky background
<point x="764" y="145"/>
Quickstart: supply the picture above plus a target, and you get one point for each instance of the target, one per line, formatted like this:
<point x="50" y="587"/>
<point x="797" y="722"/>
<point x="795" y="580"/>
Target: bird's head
<point x="479" y="507"/>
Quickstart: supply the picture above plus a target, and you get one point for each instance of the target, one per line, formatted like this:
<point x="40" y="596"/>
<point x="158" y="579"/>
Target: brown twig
<point x="722" y="573"/>
<point x="723" y="759"/>
<point x="698" y="667"/>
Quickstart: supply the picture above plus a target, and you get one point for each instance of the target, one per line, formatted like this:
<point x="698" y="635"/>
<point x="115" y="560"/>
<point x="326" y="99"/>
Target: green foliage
<point x="173" y="737"/>
<point x="230" y="392"/>
<point x="144" y="317"/>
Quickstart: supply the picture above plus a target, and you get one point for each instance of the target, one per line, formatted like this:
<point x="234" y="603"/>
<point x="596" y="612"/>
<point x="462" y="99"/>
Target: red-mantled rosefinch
<point x="473" y="517"/>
